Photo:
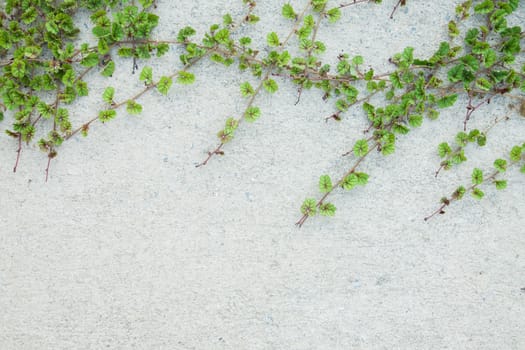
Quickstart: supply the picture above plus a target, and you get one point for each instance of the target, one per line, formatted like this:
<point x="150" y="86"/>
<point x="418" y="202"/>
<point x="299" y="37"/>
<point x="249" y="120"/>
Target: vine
<point x="44" y="71"/>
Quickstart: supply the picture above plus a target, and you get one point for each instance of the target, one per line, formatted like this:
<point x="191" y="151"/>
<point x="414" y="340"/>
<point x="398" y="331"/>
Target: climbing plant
<point x="45" y="70"/>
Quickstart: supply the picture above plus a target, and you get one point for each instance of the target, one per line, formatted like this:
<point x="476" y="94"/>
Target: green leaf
<point x="270" y="85"/>
<point x="327" y="209"/>
<point x="500" y="165"/>
<point x="81" y="88"/>
<point x="90" y="60"/>
<point x="447" y="101"/>
<point x="357" y="60"/>
<point x="415" y="120"/>
<point x="309" y="207"/>
<point x="400" y="129"/>
<point x="361" y="148"/>
<point x="500" y="184"/>
<point x="146" y="75"/>
<point x="164" y="84"/>
<point x="247" y="89"/>
<point x="453" y="30"/>
<point x="227" y="19"/>
<point x="489" y="58"/>
<point x="18" y="68"/>
<point x="288" y="11"/>
<point x="252" y="114"/>
<point x="350" y="181"/>
<point x="325" y="183"/>
<point x="485" y="7"/>
<point x="483" y="84"/>
<point x="185" y="78"/>
<point x="522" y="169"/>
<point x="477" y="176"/>
<point x="471" y="62"/>
<point x="185" y="33"/>
<point x="108" y="95"/>
<point x="333" y="15"/>
<point x="455" y="74"/>
<point x="109" y="69"/>
<point x="515" y="153"/>
<point x="396" y="80"/>
<point x="388" y="148"/>
<point x="133" y="107"/>
<point x="462" y="139"/>
<point x="222" y="36"/>
<point x="444" y="149"/>
<point x="272" y="39"/>
<point x="477" y="193"/>
<point x="362" y="178"/>
<point x="107" y="115"/>
<point x="231" y="125"/>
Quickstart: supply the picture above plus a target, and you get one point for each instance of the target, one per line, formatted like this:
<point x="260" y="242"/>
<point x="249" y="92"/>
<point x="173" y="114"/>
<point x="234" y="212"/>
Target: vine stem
<point x="18" y="151"/>
<point x="472" y="108"/>
<point x="459" y="148"/>
<point x="341" y="180"/>
<point x="447" y="202"/>
<point x="217" y="150"/>
<point x="248" y="105"/>
<point x="399" y="3"/>
<point x="354" y="2"/>
<point x="133" y="98"/>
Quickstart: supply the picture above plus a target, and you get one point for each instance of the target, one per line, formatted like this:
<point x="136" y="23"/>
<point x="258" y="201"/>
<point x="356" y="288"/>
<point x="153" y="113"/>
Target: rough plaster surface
<point x="129" y="246"/>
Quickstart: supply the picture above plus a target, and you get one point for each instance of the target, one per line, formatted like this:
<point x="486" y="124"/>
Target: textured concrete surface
<point x="129" y="246"/>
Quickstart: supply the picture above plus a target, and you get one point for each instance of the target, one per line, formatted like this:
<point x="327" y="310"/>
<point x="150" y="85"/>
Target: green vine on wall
<point x="45" y="70"/>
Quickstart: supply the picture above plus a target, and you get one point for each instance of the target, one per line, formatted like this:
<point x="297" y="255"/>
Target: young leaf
<point x="133" y="107"/>
<point x="485" y="7"/>
<point x="444" y="149"/>
<point x="447" y="101"/>
<point x="500" y="165"/>
<point x="333" y="15"/>
<point x="107" y="115"/>
<point x="350" y="181"/>
<point x="146" y="75"/>
<point x="252" y="114"/>
<point x="515" y="153"/>
<point x="361" y="148"/>
<point x="246" y="89"/>
<point x="477" y="193"/>
<point x="185" y="78"/>
<point x="477" y="176"/>
<point x="500" y="184"/>
<point x="270" y="85"/>
<point x="309" y="207"/>
<point x="288" y="11"/>
<point x="108" y="95"/>
<point x="164" y="85"/>
<point x="362" y="178"/>
<point x="272" y="39"/>
<point x="108" y="69"/>
<point x="327" y="209"/>
<point x="325" y="183"/>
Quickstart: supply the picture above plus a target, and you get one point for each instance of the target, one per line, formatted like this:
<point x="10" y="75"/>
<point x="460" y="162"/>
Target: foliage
<point x="480" y="60"/>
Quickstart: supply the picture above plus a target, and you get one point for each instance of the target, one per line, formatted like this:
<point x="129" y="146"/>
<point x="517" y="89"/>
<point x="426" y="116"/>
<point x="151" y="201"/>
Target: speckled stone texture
<point x="129" y="246"/>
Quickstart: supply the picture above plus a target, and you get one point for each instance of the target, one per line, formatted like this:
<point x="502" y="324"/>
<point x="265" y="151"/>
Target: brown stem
<point x="399" y="3"/>
<point x="210" y="154"/>
<point x="354" y="2"/>
<point x="18" y="151"/>
<point x="438" y="211"/>
<point x="49" y="157"/>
